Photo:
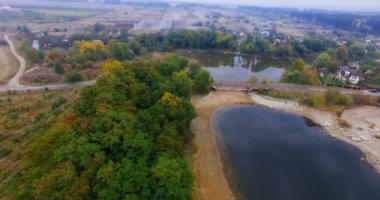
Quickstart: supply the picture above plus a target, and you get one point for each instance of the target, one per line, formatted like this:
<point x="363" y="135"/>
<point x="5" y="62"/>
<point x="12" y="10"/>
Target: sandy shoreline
<point x="211" y="180"/>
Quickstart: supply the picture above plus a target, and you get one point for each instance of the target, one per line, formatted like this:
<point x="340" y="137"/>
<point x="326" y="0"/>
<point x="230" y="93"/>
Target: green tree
<point x="299" y="64"/>
<point x="203" y="82"/>
<point x="356" y="51"/>
<point x="323" y="61"/>
<point x="172" y="179"/>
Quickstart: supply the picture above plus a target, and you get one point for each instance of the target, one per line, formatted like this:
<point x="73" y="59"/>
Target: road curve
<point x="15" y="85"/>
<point x="15" y="81"/>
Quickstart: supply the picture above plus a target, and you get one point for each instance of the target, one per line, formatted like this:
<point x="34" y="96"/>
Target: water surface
<point x="233" y="67"/>
<point x="277" y="156"/>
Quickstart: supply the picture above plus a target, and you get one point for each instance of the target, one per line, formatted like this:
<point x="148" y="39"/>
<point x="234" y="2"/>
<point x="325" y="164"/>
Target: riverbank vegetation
<point x="123" y="138"/>
<point x="332" y="100"/>
<point x="301" y="74"/>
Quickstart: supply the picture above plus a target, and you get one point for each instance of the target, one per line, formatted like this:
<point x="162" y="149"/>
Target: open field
<point x="8" y="64"/>
<point x="65" y="13"/>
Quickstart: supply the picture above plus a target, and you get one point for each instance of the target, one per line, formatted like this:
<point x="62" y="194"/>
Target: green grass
<point x="328" y="81"/>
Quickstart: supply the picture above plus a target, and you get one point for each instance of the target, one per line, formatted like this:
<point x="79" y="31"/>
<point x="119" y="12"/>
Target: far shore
<point x="211" y="180"/>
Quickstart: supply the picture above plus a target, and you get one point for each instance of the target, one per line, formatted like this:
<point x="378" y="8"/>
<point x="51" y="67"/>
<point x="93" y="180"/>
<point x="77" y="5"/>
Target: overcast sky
<point x="360" y="5"/>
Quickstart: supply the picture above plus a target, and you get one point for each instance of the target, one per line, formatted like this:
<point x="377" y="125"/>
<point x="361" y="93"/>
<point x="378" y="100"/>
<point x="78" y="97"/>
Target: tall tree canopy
<point x="124" y="140"/>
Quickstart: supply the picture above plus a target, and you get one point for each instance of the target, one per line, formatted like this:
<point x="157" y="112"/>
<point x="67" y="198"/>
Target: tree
<point x="342" y="53"/>
<point x="172" y="179"/>
<point x="112" y="65"/>
<point x="323" y="61"/>
<point x="120" y="51"/>
<point x="299" y="64"/>
<point x="58" y="68"/>
<point x="356" y="51"/>
<point x="252" y="79"/>
<point x="203" y="82"/>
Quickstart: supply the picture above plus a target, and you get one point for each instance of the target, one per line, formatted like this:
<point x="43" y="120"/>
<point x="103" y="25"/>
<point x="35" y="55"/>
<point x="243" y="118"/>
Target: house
<point x="346" y="73"/>
<point x="36" y="44"/>
<point x="265" y="34"/>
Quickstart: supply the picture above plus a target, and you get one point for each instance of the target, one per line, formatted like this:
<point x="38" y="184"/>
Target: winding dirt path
<point x="14" y="83"/>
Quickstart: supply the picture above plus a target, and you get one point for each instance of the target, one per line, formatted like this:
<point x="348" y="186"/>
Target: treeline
<point x="125" y="138"/>
<point x="187" y="39"/>
<point x="345" y="21"/>
<point x="268" y="47"/>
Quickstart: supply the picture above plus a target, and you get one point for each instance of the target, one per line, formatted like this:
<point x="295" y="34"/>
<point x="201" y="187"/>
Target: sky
<point x="351" y="5"/>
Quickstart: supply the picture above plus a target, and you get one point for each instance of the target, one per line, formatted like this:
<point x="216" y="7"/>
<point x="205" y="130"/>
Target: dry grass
<point x="344" y="123"/>
<point x="22" y="116"/>
<point x="8" y="64"/>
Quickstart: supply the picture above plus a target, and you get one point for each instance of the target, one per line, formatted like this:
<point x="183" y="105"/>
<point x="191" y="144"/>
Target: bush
<point x="344" y="123"/>
<point x="58" y="68"/>
<point x="60" y="101"/>
<point x="4" y="152"/>
<point x="318" y="100"/>
<point x="335" y="97"/>
<point x="252" y="79"/>
<point x="203" y="82"/>
<point x="73" y="77"/>
<point x="361" y="99"/>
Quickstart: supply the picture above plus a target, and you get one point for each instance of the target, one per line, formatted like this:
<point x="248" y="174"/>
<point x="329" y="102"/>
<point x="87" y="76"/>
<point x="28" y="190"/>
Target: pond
<point x="280" y="156"/>
<point x="233" y="67"/>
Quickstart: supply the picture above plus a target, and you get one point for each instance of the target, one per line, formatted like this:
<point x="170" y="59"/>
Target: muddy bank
<point x="211" y="182"/>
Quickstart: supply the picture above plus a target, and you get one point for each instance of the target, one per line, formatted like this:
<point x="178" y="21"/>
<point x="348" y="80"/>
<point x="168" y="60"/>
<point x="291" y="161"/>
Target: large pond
<point x="280" y="156"/>
<point x="233" y="67"/>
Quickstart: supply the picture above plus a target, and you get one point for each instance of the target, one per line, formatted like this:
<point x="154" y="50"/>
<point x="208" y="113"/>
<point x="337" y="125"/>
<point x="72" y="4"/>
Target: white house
<point x="36" y="44"/>
<point x="346" y="73"/>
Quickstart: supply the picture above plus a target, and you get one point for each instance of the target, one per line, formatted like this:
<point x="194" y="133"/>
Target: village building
<point x="351" y="74"/>
<point x="36" y="44"/>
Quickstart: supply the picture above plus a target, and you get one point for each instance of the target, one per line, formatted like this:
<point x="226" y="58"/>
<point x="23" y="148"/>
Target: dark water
<point x="232" y="67"/>
<point x="277" y="156"/>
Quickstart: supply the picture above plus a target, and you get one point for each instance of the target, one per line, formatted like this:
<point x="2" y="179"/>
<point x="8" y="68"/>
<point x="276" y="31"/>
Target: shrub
<point x="252" y="79"/>
<point x="203" y="82"/>
<point x="344" y="123"/>
<point x="60" y="101"/>
<point x="361" y="99"/>
<point x="73" y="77"/>
<point x="4" y="152"/>
<point x="58" y="68"/>
<point x="318" y="100"/>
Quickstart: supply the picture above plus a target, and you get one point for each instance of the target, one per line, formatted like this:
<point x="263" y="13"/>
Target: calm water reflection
<point x="277" y="156"/>
<point x="232" y="67"/>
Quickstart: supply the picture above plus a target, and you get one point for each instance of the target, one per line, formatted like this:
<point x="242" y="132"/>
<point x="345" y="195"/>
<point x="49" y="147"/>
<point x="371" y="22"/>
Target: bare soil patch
<point x="211" y="182"/>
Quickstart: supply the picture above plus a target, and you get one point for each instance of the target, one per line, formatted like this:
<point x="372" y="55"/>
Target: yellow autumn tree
<point x="112" y="65"/>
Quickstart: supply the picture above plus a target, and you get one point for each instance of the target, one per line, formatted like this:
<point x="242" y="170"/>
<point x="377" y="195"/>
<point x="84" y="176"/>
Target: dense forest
<point x="124" y="139"/>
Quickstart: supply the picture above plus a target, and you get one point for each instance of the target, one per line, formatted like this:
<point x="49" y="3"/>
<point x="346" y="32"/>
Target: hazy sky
<point x="362" y="5"/>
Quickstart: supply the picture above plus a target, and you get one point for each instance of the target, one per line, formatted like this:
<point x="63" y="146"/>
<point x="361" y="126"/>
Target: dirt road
<point x="15" y="81"/>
